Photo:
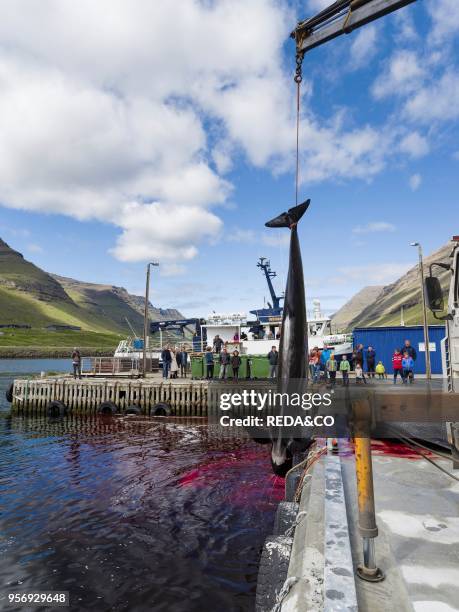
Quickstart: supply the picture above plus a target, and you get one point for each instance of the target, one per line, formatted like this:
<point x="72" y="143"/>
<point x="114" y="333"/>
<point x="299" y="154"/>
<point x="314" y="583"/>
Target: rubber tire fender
<point x="107" y="408"/>
<point x="55" y="409"/>
<point x="161" y="409"/>
<point x="133" y="410"/>
<point x="9" y="393"/>
<point x="285" y="517"/>
<point x="272" y="571"/>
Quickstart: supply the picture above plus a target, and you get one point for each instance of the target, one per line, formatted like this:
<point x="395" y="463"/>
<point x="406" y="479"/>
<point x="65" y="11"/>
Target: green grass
<point x="40" y="338"/>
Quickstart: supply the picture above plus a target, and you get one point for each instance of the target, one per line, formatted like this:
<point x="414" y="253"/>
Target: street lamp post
<point x="424" y="311"/>
<point x="145" y="317"/>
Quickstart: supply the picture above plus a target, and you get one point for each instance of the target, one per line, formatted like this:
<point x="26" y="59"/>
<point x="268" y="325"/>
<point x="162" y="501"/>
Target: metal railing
<point x="110" y="366"/>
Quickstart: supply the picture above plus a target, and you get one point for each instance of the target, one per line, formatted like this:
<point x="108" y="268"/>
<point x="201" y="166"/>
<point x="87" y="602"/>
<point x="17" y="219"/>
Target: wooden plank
<point x="344" y="25"/>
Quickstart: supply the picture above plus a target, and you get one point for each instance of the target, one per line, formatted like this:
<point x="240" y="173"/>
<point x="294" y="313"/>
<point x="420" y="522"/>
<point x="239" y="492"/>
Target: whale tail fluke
<point x="289" y="218"/>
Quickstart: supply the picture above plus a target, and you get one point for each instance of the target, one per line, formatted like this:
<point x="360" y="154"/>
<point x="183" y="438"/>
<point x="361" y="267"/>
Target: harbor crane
<point x="341" y="17"/>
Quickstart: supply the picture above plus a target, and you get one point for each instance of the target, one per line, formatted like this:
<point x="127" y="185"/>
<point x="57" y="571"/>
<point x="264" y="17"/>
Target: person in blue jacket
<point x="324" y="357"/>
<point x="209" y="361"/>
<point x="166" y="358"/>
<point x="408" y="367"/>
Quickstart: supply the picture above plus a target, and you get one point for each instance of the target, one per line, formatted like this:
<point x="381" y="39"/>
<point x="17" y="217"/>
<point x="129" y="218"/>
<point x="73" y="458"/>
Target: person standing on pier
<point x="371" y="362"/>
<point x="166" y="358"/>
<point x="174" y="364"/>
<point x="344" y="368"/>
<point x="397" y="359"/>
<point x="183" y="362"/>
<point x="218" y="343"/>
<point x="408" y="365"/>
<point x="381" y="370"/>
<point x="225" y="360"/>
<point x="236" y="364"/>
<point x="209" y="359"/>
<point x="273" y="358"/>
<point x="76" y="362"/>
<point x="408" y="348"/>
<point x="332" y="366"/>
<point x="324" y="357"/>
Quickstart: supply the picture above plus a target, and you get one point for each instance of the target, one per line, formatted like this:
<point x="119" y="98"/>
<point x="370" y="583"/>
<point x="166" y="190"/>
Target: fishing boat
<point x="250" y="335"/>
<point x="256" y="336"/>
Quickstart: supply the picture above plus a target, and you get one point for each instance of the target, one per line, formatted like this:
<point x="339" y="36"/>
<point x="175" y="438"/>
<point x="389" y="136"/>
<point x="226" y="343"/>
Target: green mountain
<point x="406" y="292"/>
<point x="29" y="295"/>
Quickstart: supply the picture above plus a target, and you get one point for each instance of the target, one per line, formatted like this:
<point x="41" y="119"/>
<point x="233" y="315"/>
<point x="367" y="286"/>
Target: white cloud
<point x="438" y="101"/>
<point x="34" y="248"/>
<point x="276" y="239"/>
<point x="241" y="235"/>
<point x="374" y="274"/>
<point x="402" y="75"/>
<point x="375" y="226"/>
<point x="415" y="182"/>
<point x="163" y="232"/>
<point x="115" y="129"/>
<point x="317" y="5"/>
<point x="414" y="145"/>
<point x="247" y="236"/>
<point x="364" y="47"/>
<point x="138" y="126"/>
<point x="445" y="18"/>
<point x="15" y="231"/>
<point x="405" y="26"/>
<point x="172" y="269"/>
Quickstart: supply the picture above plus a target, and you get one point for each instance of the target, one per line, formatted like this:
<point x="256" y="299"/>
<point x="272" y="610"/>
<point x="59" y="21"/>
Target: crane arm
<point x="341" y="17"/>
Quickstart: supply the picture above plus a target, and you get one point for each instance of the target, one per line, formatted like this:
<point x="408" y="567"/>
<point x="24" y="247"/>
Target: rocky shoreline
<point x="36" y="352"/>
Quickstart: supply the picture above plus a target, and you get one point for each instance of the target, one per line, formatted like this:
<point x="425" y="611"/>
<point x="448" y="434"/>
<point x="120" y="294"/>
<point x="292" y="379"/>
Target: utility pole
<point x="424" y="311"/>
<point x="145" y="317"/>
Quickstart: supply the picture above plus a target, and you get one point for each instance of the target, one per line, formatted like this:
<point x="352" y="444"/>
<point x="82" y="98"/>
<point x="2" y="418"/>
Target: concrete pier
<point x="417" y="545"/>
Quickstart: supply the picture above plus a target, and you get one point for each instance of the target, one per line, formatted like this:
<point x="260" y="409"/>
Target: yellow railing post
<point x="365" y="491"/>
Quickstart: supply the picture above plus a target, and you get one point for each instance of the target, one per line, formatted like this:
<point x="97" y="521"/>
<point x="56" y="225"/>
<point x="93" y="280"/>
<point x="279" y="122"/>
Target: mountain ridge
<point x="406" y="292"/>
<point x="32" y="296"/>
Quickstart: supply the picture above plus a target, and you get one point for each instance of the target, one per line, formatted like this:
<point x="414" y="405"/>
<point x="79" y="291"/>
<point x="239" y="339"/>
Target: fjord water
<point x="131" y="514"/>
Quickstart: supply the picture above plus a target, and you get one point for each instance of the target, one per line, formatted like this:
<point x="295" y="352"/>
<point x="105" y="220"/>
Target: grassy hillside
<point x="36" y="338"/>
<point x="406" y="292"/>
<point x="107" y="302"/>
<point x="31" y="296"/>
<point x="18" y="274"/>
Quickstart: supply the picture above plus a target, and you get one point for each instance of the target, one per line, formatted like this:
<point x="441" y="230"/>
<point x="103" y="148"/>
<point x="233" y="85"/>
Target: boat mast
<point x="265" y="265"/>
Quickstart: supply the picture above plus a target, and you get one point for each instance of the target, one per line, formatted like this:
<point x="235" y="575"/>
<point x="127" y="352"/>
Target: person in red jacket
<point x="397" y="365"/>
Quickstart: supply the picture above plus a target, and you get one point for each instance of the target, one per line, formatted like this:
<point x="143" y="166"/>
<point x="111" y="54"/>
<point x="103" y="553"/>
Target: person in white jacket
<point x="174" y="365"/>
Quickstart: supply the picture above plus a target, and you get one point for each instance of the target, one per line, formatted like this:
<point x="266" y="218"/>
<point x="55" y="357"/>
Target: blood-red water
<point x="134" y="514"/>
<point x="245" y="466"/>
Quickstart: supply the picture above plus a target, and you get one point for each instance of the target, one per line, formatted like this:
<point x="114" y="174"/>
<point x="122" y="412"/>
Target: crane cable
<point x="298" y="78"/>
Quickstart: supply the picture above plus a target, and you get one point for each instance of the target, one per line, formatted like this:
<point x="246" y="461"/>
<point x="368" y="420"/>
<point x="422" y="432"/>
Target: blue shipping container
<point x="386" y="339"/>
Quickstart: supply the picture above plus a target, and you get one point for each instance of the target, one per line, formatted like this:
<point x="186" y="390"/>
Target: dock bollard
<point x="365" y="492"/>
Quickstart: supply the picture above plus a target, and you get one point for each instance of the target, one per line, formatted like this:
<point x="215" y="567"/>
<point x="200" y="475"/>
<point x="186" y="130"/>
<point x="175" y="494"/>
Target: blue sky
<point x="125" y="149"/>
